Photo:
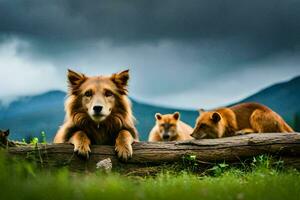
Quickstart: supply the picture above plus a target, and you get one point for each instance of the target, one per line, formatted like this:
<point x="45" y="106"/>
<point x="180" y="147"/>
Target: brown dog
<point x="3" y="137"/>
<point x="239" y="119"/>
<point x="98" y="111"/>
<point x="170" y="128"/>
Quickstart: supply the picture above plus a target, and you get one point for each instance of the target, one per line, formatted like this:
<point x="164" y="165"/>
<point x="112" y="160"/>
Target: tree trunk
<point x="230" y="149"/>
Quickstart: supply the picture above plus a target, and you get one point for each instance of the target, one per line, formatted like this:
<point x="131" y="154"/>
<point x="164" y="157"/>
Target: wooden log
<point x="230" y="149"/>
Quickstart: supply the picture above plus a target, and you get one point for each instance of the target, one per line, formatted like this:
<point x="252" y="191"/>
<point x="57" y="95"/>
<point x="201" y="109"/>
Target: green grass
<point x="260" y="180"/>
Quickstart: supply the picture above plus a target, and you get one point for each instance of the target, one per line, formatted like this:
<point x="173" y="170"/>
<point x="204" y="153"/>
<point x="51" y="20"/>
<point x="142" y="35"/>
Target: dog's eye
<point x="88" y="93"/>
<point x="163" y="125"/>
<point x="108" y="93"/>
<point x="202" y="126"/>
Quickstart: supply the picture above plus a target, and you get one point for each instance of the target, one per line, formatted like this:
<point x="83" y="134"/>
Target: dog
<point x="3" y="137"/>
<point x="98" y="111"/>
<point x="237" y="120"/>
<point x="169" y="127"/>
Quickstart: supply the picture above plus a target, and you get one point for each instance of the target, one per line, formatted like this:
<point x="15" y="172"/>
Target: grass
<point x="262" y="179"/>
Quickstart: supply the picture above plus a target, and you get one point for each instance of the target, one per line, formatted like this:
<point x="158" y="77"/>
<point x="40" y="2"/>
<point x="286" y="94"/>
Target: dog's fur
<point x="169" y="127"/>
<point x="3" y="137"/>
<point x="239" y="119"/>
<point x="84" y="125"/>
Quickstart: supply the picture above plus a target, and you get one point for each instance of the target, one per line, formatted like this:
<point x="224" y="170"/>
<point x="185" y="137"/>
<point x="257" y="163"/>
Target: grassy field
<point x="262" y="179"/>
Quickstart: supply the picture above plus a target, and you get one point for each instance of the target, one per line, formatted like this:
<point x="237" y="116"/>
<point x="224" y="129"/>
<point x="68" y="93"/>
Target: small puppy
<point x="239" y="119"/>
<point x="3" y="137"/>
<point x="169" y="127"/>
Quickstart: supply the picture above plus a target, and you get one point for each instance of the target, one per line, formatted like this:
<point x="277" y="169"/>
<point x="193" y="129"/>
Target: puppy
<point x="3" y="137"/>
<point x="170" y="128"/>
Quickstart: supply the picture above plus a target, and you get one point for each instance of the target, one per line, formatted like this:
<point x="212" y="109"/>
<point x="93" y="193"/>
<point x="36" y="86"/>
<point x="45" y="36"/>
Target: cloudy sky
<point x="186" y="54"/>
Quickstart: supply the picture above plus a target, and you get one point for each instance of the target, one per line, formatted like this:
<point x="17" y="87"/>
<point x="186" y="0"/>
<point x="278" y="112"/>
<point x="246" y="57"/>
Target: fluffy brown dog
<point x="240" y="119"/>
<point x="170" y="128"/>
<point x="3" y="137"/>
<point x="98" y="111"/>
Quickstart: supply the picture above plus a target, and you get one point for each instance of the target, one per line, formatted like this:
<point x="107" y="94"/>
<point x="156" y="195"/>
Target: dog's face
<point x="167" y="125"/>
<point x="208" y="125"/>
<point x="3" y="136"/>
<point x="98" y="94"/>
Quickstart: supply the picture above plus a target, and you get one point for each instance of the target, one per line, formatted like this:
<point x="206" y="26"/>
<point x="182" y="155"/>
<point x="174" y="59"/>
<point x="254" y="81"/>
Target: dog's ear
<point x="121" y="80"/>
<point x="216" y="117"/>
<point x="75" y="79"/>
<point x="200" y="111"/>
<point x="176" y="115"/>
<point x="158" y="116"/>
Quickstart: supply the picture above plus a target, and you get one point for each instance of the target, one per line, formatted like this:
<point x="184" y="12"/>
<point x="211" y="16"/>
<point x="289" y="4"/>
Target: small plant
<point x="34" y="141"/>
<point x="43" y="135"/>
<point x="219" y="169"/>
<point x="279" y="165"/>
<point x="267" y="162"/>
<point x="262" y="161"/>
<point x="190" y="162"/>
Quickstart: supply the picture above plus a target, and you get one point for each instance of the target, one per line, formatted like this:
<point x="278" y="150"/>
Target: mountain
<point x="28" y="116"/>
<point x="284" y="98"/>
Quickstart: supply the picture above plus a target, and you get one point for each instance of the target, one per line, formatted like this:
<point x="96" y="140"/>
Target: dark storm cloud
<point x="269" y="23"/>
<point x="208" y="51"/>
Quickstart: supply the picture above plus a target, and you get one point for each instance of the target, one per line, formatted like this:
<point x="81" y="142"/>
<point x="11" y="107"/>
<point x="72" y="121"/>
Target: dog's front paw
<point x="82" y="149"/>
<point x="244" y="131"/>
<point x="124" y="151"/>
<point x="81" y="144"/>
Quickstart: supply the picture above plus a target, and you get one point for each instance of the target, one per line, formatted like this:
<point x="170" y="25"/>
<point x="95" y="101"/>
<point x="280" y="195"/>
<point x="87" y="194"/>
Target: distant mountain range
<point x="29" y="116"/>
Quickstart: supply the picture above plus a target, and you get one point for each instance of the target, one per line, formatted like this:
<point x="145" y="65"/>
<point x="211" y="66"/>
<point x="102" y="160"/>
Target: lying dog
<point x="239" y="119"/>
<point x="98" y="111"/>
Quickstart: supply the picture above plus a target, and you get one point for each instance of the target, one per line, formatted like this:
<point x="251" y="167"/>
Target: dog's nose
<point x="193" y="134"/>
<point x="166" y="136"/>
<point x="97" y="109"/>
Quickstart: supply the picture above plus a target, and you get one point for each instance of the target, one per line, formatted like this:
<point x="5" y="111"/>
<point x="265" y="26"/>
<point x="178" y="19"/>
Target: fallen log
<point x="231" y="149"/>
